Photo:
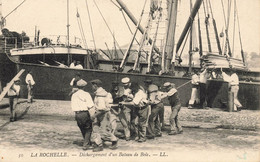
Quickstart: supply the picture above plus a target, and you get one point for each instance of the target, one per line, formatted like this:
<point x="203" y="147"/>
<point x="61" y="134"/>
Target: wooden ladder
<point x="9" y="85"/>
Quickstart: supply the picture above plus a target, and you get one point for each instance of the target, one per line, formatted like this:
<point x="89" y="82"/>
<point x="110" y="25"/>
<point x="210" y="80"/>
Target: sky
<point x="50" y="17"/>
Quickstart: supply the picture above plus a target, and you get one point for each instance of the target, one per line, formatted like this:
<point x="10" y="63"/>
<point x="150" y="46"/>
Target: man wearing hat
<point x="13" y="95"/>
<point x="175" y="103"/>
<point x="81" y="103"/>
<point x="73" y="83"/>
<point x="30" y="84"/>
<point x="140" y="111"/>
<point x="194" y="99"/>
<point x="126" y="112"/>
<point x="117" y="93"/>
<point x="234" y="87"/>
<point x="78" y="66"/>
<point x="154" y="96"/>
<point x="203" y="87"/>
<point x="102" y="128"/>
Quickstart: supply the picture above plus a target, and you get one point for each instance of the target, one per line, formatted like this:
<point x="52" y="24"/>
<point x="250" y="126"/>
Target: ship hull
<point x="54" y="83"/>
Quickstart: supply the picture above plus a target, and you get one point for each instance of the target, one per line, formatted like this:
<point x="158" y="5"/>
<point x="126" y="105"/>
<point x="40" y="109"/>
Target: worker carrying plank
<point x="13" y="92"/>
<point x="13" y="95"/>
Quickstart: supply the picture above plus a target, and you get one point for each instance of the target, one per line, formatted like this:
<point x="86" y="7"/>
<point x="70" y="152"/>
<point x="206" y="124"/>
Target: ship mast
<point x="126" y="54"/>
<point x="68" y="33"/>
<point x="1" y="17"/>
<point x="170" y="37"/>
<point x="188" y="23"/>
<point x="191" y="48"/>
<point x="134" y="20"/>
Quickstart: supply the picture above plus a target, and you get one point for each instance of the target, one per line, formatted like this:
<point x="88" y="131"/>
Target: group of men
<point x="139" y="109"/>
<point x="199" y="88"/>
<point x="76" y="65"/>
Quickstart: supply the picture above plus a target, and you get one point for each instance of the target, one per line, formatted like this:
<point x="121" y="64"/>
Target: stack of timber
<point x="221" y="61"/>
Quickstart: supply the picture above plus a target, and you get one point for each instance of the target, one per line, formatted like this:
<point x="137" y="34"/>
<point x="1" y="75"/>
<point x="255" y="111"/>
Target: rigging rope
<point x="184" y="43"/>
<point x="225" y="24"/>
<point x="183" y="84"/>
<point x="91" y="27"/>
<point x="128" y="26"/>
<point x="204" y="9"/>
<point x="226" y="20"/>
<point x="238" y="27"/>
<point x="14" y="9"/>
<point x="207" y="7"/>
<point x="81" y="30"/>
<point x="242" y="52"/>
<point x="108" y="27"/>
<point x="234" y="29"/>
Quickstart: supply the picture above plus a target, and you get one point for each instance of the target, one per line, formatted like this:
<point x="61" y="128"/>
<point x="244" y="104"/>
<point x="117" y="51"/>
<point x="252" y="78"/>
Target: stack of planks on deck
<point x="220" y="61"/>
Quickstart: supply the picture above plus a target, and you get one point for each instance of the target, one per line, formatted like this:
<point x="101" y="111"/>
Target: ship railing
<point x="10" y="43"/>
<point x="54" y="40"/>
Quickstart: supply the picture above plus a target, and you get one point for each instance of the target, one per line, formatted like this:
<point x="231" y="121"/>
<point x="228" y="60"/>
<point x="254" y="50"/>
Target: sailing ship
<point x="156" y="57"/>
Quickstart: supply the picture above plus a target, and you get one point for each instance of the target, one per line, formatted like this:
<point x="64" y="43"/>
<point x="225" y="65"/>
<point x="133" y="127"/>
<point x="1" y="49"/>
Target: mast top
<point x="2" y="20"/>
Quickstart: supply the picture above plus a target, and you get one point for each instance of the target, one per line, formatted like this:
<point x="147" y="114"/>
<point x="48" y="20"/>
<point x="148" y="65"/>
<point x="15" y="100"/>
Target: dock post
<point x="230" y="101"/>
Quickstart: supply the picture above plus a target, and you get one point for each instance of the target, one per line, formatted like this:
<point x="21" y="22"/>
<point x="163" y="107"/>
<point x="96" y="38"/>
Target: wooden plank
<point x="9" y="85"/>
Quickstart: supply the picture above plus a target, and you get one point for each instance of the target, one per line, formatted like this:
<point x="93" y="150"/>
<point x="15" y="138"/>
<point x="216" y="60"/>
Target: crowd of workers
<point x="199" y="87"/>
<point x="139" y="109"/>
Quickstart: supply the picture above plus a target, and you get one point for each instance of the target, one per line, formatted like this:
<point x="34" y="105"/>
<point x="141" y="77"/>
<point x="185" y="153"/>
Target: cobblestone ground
<point x="47" y="131"/>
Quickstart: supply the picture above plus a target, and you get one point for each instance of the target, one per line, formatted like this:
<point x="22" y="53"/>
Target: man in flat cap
<point x="13" y="95"/>
<point x="175" y="103"/>
<point x="81" y="103"/>
<point x="140" y="110"/>
<point x="102" y="129"/>
<point x="125" y="114"/>
<point x="73" y="83"/>
<point x="117" y="93"/>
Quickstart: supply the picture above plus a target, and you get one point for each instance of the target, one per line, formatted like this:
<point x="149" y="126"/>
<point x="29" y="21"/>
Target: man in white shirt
<point x="73" y="83"/>
<point x="30" y="84"/>
<point x="157" y="107"/>
<point x="13" y="95"/>
<point x="194" y="98"/>
<point x="203" y="87"/>
<point x="78" y="66"/>
<point x="73" y="64"/>
<point x="102" y="128"/>
<point x="140" y="111"/>
<point x="234" y="87"/>
<point x="81" y="103"/>
<point x="126" y="111"/>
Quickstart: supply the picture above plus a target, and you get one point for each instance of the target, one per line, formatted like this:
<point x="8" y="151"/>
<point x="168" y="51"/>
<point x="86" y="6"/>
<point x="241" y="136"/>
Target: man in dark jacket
<point x="157" y="107"/>
<point x="175" y="103"/>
